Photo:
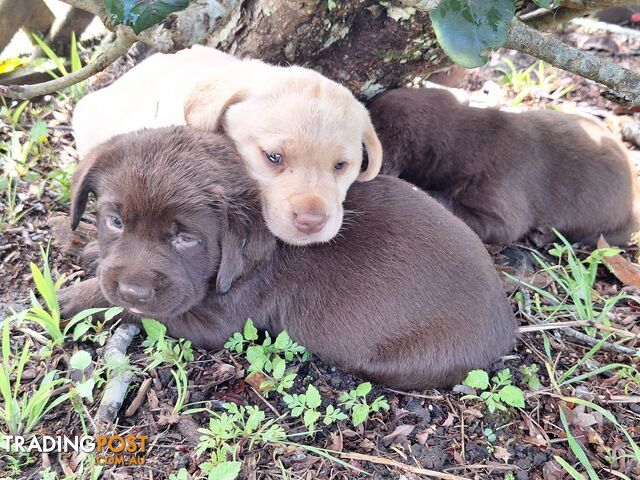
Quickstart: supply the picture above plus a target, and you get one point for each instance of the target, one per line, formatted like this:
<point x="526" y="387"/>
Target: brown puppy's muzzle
<point x="309" y="213"/>
<point x="149" y="292"/>
<point x="136" y="292"/>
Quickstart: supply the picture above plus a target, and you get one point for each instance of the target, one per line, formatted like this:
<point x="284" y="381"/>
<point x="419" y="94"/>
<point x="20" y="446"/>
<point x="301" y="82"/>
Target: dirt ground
<point x="434" y="430"/>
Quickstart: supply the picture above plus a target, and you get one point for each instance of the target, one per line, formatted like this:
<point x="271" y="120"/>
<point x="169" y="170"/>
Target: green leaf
<point x="512" y="395"/>
<point x="363" y="389"/>
<point x="310" y="418"/>
<point x="533" y="382"/>
<point x="225" y="471"/>
<point x="250" y="332"/>
<point x="85" y="389"/>
<point x="282" y="340"/>
<point x="468" y="30"/>
<point x="112" y="312"/>
<point x="278" y="366"/>
<point x="38" y="132"/>
<point x="142" y="14"/>
<point x="80" y="330"/>
<point x="477" y="379"/>
<point x="313" y="397"/>
<point x="543" y="3"/>
<point x="256" y="357"/>
<point x="359" y="414"/>
<point x="80" y="360"/>
<point x="154" y="329"/>
<point x="491" y="404"/>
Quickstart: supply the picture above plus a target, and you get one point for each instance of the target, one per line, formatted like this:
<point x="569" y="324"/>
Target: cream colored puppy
<point x="151" y="94"/>
<point x="299" y="133"/>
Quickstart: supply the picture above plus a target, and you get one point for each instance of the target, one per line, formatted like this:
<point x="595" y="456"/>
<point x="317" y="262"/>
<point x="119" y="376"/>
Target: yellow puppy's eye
<point x="274" y="158"/>
<point x="340" y="165"/>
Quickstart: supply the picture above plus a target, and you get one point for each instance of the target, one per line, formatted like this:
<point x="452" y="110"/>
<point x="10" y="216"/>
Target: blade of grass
<point x="576" y="448"/>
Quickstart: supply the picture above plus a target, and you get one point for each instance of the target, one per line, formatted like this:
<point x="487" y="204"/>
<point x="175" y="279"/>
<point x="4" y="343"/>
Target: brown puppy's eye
<point x="340" y="165"/>
<point x="184" y="240"/>
<point x="274" y="158"/>
<point x="115" y="222"/>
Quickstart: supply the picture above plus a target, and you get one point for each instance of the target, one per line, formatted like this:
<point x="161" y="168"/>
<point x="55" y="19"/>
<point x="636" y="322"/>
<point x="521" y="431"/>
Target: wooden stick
<point x="401" y="466"/>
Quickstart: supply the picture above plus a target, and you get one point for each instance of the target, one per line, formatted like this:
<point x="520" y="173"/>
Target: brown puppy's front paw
<point x="80" y="296"/>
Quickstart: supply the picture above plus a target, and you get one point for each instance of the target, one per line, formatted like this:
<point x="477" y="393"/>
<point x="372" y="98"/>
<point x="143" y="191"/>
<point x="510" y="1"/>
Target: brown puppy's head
<point x="171" y="203"/>
<point x="300" y="135"/>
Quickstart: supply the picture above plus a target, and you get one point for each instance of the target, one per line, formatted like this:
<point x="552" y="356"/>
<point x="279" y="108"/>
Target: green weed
<point x="356" y="402"/>
<point x="498" y="395"/>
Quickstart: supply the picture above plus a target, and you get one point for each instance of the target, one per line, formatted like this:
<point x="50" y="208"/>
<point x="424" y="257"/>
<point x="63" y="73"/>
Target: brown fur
<point x="510" y="174"/>
<point x="406" y="295"/>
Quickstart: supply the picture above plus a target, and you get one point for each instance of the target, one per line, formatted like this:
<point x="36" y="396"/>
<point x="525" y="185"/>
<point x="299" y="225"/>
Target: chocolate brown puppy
<point x="406" y="295"/>
<point x="508" y="175"/>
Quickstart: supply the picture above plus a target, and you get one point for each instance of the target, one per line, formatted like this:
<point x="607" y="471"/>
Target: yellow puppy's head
<point x="301" y="136"/>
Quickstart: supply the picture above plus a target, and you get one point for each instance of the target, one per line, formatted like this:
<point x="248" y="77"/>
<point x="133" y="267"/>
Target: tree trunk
<point x="362" y="43"/>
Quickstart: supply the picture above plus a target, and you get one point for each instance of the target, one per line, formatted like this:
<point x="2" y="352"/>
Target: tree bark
<point x="363" y="44"/>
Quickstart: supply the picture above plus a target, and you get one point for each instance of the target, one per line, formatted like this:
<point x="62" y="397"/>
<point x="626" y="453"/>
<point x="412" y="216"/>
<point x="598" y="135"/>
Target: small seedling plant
<point x="82" y="390"/>
<point x="226" y="432"/>
<point x="48" y="316"/>
<point x="530" y="376"/>
<point x="268" y="358"/>
<point x="306" y="405"/>
<point x="165" y="350"/>
<point x="497" y="395"/>
<point x="21" y="411"/>
<point x="355" y="401"/>
<point x="576" y="298"/>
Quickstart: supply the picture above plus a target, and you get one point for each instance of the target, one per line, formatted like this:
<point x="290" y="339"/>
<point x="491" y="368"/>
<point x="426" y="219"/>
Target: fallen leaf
<point x="449" y="421"/>
<point x="255" y="381"/>
<point x="166" y="419"/>
<point x="624" y="270"/>
<point x="501" y="453"/>
<point x="336" y="442"/>
<point x="152" y="400"/>
<point x="366" y="445"/>
<point x="538" y="441"/>
<point x="553" y="471"/>
<point x="423" y="436"/>
<point x="399" y="435"/>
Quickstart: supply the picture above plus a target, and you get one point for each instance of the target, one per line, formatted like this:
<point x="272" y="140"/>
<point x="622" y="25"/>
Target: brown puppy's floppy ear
<point x="82" y="185"/>
<point x="374" y="152"/>
<point x="232" y="261"/>
<point x="244" y="244"/>
<point x="210" y="98"/>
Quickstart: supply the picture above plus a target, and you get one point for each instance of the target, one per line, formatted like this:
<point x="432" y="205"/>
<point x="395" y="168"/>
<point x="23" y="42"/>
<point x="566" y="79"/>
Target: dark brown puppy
<point x="406" y="295"/>
<point x="510" y="174"/>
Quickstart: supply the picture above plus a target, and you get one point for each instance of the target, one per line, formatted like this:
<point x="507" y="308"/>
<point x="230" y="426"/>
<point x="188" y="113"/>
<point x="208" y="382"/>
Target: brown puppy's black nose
<point x="308" y="222"/>
<point x="135" y="292"/>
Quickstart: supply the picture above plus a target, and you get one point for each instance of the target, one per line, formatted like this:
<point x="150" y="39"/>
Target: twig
<point x="416" y="395"/>
<point x="124" y="39"/>
<point x="610" y="347"/>
<point x="553" y="326"/>
<point x="577" y="323"/>
<point x="118" y="384"/>
<point x="139" y="398"/>
<point x="543" y="19"/>
<point x="624" y="84"/>
<point x="607" y="27"/>
<point x="401" y="466"/>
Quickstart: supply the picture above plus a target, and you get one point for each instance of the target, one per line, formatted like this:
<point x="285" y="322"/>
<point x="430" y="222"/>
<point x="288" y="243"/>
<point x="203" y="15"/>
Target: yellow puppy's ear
<point x="374" y="152"/>
<point x="210" y="98"/>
